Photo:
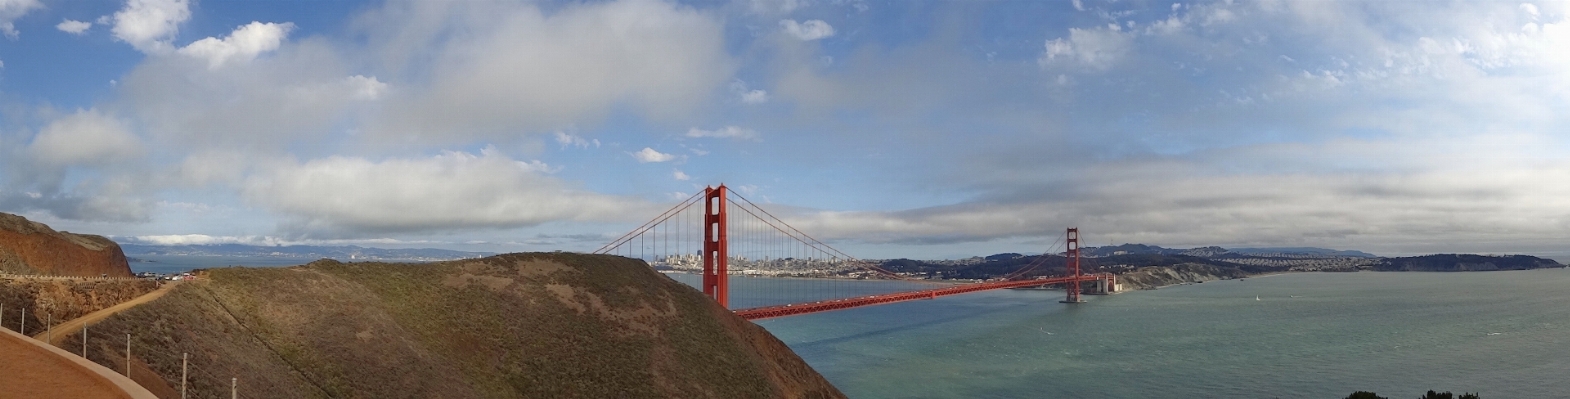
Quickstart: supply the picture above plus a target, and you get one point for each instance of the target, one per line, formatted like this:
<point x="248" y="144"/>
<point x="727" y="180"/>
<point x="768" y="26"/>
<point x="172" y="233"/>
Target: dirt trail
<point x="76" y="324"/>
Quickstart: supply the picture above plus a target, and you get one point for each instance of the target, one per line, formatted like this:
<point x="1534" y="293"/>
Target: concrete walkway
<point x="32" y="369"/>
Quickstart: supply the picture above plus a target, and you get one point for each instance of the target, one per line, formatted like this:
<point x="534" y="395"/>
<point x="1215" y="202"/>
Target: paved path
<point x="75" y="325"/>
<point x="33" y="369"/>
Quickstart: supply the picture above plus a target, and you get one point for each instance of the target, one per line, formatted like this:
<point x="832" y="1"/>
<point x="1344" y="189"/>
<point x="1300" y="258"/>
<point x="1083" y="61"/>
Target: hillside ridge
<point x="513" y="325"/>
<point x="28" y="247"/>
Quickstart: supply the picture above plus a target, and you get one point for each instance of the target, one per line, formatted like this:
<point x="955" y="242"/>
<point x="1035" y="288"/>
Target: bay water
<point x="1307" y="335"/>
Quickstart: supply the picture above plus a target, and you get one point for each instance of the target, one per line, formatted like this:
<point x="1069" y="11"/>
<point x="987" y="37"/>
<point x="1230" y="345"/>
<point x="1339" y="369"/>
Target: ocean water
<point x="1308" y="335"/>
<point x="183" y="263"/>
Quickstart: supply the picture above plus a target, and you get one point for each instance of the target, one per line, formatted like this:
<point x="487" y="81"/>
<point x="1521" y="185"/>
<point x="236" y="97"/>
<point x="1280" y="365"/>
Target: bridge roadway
<point x="846" y="303"/>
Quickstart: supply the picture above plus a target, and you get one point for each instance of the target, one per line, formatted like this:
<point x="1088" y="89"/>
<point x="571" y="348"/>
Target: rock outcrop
<point x="1152" y="277"/>
<point x="28" y="247"/>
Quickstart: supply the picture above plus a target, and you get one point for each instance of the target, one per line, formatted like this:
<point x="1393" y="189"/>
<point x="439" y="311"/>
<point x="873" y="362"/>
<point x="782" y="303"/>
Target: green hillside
<point x="517" y="325"/>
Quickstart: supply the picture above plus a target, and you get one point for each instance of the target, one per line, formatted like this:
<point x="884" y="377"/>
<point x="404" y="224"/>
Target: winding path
<point x="76" y="324"/>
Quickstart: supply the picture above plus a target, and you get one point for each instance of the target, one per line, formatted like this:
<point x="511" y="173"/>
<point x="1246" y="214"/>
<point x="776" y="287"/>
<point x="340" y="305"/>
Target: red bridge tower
<point x="1072" y="255"/>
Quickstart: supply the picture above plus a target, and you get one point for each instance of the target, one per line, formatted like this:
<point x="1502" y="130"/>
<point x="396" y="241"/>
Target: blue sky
<point x="891" y="129"/>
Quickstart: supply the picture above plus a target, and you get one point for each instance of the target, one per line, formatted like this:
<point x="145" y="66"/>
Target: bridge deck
<point x="846" y="303"/>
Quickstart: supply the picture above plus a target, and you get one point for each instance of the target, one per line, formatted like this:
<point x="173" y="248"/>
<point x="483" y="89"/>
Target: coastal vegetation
<point x="53" y="300"/>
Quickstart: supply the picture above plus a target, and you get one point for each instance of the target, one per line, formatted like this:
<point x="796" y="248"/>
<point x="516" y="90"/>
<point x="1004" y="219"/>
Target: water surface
<point x="1308" y="335"/>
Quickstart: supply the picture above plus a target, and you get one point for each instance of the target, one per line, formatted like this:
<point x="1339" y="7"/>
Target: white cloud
<point x="263" y="240"/>
<point x="193" y="239"/>
<point x="1079" y="5"/>
<point x="242" y="45"/>
<point x="774" y="7"/>
<point x="1421" y="206"/>
<point x="807" y="31"/>
<point x="87" y="137"/>
<point x="679" y="175"/>
<point x="1530" y="9"/>
<point x="299" y="91"/>
<point x="755" y="97"/>
<point x="747" y="95"/>
<point x="11" y="10"/>
<point x="510" y="68"/>
<point x="728" y="132"/>
<point x="573" y="140"/>
<point x="74" y="27"/>
<point x="216" y="166"/>
<point x="648" y="155"/>
<point x="365" y="88"/>
<point x="454" y="190"/>
<point x="149" y="25"/>
<point x="1098" y="48"/>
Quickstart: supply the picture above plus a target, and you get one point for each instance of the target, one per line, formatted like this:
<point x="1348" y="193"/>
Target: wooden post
<point x="49" y="327"/>
<point x="184" y="361"/>
<point x="84" y="340"/>
<point x="127" y="355"/>
<point x="24" y="321"/>
<point x="234" y="388"/>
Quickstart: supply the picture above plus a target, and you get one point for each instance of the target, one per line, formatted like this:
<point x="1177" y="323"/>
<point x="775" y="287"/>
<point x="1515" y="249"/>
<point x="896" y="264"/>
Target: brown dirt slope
<point x="76" y="324"/>
<point x="516" y="325"/>
<point x="28" y="247"/>
<point x="57" y="300"/>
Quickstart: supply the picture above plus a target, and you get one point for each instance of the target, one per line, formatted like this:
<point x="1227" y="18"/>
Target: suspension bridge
<point x="782" y="271"/>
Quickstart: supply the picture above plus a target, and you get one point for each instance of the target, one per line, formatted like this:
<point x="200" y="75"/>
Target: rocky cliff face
<point x="1152" y="277"/>
<point x="28" y="247"/>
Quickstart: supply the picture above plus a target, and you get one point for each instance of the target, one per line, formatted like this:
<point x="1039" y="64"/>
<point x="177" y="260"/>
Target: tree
<point x="1364" y="395"/>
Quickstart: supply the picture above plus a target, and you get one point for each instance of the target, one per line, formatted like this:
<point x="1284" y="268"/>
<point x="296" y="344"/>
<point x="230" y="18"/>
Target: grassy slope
<point x="519" y="325"/>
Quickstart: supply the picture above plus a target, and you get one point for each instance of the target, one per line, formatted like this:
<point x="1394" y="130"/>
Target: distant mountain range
<point x="346" y="253"/>
<point x="1142" y="249"/>
<point x="1204" y="263"/>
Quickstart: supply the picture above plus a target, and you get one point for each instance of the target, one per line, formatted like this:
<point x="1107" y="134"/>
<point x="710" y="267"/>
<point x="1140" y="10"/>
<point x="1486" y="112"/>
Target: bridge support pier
<point x="716" y="276"/>
<point x="1106" y="284"/>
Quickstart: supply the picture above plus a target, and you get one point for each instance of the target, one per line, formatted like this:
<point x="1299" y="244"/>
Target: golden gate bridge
<point x="729" y="235"/>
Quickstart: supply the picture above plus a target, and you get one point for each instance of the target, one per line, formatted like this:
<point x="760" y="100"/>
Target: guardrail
<point x="10" y="276"/>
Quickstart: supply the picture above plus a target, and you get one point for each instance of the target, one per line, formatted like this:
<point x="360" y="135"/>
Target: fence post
<point x="84" y="340"/>
<point x="184" y="361"/>
<point x="49" y="327"/>
<point x="234" y="388"/>
<point x="127" y="355"/>
<point x="24" y="321"/>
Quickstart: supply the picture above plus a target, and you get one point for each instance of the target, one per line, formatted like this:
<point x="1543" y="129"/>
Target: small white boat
<point x="1256" y="297"/>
